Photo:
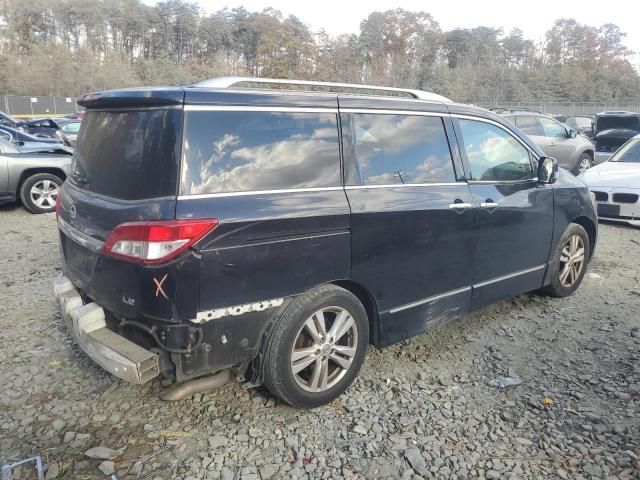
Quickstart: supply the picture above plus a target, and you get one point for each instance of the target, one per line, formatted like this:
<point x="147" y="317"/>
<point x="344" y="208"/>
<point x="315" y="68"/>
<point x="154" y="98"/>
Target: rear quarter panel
<point x="270" y="246"/>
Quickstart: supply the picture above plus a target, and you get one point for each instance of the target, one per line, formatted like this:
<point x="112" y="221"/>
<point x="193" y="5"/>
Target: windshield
<point x="608" y="123"/>
<point x="129" y="155"/>
<point x="629" y="152"/>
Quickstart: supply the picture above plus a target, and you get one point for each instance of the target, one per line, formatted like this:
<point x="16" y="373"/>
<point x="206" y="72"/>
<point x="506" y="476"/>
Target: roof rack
<point x="227" y="82"/>
<point x="514" y="110"/>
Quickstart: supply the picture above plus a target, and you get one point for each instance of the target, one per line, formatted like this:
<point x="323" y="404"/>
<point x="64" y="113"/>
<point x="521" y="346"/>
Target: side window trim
<point x="457" y="164"/>
<point x="532" y="154"/>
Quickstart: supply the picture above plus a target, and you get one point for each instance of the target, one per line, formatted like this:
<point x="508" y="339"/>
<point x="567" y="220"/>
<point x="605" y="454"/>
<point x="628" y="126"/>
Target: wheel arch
<point x="591" y="229"/>
<point x="370" y="305"/>
<point x="29" y="172"/>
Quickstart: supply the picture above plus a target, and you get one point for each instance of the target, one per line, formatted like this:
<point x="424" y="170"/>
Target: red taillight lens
<point x="156" y="242"/>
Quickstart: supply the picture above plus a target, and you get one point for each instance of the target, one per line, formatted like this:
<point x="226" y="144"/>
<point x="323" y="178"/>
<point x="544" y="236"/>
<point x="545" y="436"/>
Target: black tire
<point x="277" y="367"/>
<point x="27" y="198"/>
<point x="556" y="288"/>
<point x="583" y="158"/>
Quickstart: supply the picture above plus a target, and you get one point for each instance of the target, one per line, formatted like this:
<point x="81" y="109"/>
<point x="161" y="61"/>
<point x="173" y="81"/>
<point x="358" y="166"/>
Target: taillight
<point x="58" y="205"/>
<point x="156" y="242"/>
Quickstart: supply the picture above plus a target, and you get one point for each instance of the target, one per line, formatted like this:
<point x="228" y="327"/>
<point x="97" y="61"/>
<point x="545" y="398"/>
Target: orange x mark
<point x="159" y="289"/>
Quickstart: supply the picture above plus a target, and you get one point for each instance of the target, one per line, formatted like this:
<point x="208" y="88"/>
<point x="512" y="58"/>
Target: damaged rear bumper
<point x="113" y="352"/>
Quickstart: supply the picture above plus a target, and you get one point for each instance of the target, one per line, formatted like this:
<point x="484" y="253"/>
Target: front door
<point x="412" y="221"/>
<point x="559" y="144"/>
<point x="514" y="219"/>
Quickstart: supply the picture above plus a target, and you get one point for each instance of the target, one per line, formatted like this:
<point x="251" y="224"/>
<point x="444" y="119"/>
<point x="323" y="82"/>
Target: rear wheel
<point x="584" y="164"/>
<point x="569" y="263"/>
<point x="316" y="347"/>
<point x="39" y="192"/>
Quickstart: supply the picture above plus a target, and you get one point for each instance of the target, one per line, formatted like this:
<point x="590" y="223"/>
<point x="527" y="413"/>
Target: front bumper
<point x="113" y="352"/>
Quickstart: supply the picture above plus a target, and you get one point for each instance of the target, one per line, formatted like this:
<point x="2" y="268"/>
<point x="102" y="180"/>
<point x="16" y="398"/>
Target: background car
<point x="33" y="177"/>
<point x="573" y="152"/>
<point x="582" y="124"/>
<point x="615" y="184"/>
<point x="23" y="140"/>
<point x="75" y="116"/>
<point x="612" y="130"/>
<point x="68" y="134"/>
<point x="43" y="127"/>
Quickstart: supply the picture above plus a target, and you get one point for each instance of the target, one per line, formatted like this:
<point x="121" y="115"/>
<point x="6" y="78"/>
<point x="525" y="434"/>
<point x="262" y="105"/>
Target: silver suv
<point x="572" y="150"/>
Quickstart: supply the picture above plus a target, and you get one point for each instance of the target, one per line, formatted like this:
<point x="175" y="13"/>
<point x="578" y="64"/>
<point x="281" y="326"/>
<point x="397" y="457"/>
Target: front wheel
<point x="39" y="192"/>
<point x="569" y="263"/>
<point x="316" y="348"/>
<point x="584" y="164"/>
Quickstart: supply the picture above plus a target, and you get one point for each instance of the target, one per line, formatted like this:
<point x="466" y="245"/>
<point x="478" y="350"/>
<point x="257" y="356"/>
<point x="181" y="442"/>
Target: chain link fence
<point x="565" y="108"/>
<point x="38" y="106"/>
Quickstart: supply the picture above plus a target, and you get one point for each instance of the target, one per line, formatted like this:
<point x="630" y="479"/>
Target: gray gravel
<point x="444" y="405"/>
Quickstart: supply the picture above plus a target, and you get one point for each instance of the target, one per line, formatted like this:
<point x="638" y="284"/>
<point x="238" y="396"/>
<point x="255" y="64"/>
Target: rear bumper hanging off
<point x="113" y="352"/>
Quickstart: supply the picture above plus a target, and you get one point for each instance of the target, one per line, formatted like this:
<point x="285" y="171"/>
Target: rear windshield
<point x="608" y="123"/>
<point x="129" y="155"/>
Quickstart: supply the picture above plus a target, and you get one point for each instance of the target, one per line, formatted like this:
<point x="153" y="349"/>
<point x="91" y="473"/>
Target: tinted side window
<point x="529" y="125"/>
<point x="396" y="149"/>
<point x="227" y="151"/>
<point x="493" y="154"/>
<point x="553" y="128"/>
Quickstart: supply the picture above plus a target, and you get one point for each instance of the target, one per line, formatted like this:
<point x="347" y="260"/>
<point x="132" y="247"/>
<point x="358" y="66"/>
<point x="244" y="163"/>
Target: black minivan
<point x="270" y="235"/>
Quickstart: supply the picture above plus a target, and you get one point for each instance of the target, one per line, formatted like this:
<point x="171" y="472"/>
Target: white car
<point x="616" y="184"/>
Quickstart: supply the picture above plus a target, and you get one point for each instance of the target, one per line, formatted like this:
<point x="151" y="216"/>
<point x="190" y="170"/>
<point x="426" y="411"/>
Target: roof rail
<point x="227" y="82"/>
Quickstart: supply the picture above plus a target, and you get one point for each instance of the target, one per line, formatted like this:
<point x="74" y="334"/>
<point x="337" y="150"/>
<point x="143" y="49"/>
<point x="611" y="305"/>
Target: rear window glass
<point x="129" y="155"/>
<point x="227" y="151"/>
<point x="396" y="149"/>
<point x="529" y="125"/>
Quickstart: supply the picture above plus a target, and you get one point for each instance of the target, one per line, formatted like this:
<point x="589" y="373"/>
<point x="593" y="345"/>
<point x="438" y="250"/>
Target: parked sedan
<point x="33" y="177"/>
<point x="615" y="184"/>
<point x="68" y="134"/>
<point x="573" y="152"/>
<point x="23" y="140"/>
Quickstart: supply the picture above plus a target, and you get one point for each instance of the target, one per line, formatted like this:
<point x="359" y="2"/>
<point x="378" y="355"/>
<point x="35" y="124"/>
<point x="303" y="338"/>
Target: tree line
<point x="69" y="47"/>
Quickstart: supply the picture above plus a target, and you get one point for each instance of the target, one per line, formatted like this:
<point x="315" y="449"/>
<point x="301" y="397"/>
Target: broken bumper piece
<point x="113" y="352"/>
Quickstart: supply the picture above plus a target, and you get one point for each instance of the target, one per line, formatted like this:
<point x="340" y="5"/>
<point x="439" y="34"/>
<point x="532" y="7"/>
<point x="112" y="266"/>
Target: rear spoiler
<point x="134" y="97"/>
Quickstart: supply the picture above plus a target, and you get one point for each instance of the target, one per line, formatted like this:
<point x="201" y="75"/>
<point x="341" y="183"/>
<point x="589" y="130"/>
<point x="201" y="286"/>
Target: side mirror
<point x="571" y="133"/>
<point x="547" y="170"/>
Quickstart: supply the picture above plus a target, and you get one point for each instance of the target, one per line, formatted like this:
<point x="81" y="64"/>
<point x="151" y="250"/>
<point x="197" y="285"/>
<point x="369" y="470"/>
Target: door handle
<point x="461" y="206"/>
<point x="552" y="144"/>
<point x="488" y="205"/>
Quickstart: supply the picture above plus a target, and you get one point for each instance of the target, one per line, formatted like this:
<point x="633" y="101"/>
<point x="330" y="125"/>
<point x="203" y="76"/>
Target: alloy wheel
<point x="44" y="193"/>
<point x="324" y="349"/>
<point x="585" y="164"/>
<point x="571" y="260"/>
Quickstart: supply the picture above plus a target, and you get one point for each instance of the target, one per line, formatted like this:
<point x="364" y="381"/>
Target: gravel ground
<point x="430" y="407"/>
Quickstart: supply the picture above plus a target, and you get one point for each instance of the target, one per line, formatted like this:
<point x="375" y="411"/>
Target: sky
<point x="534" y="18"/>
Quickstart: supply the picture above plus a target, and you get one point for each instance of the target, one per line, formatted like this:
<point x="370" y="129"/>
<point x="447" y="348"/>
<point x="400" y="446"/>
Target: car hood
<point x="613" y="174"/>
<point x="625" y="133"/>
